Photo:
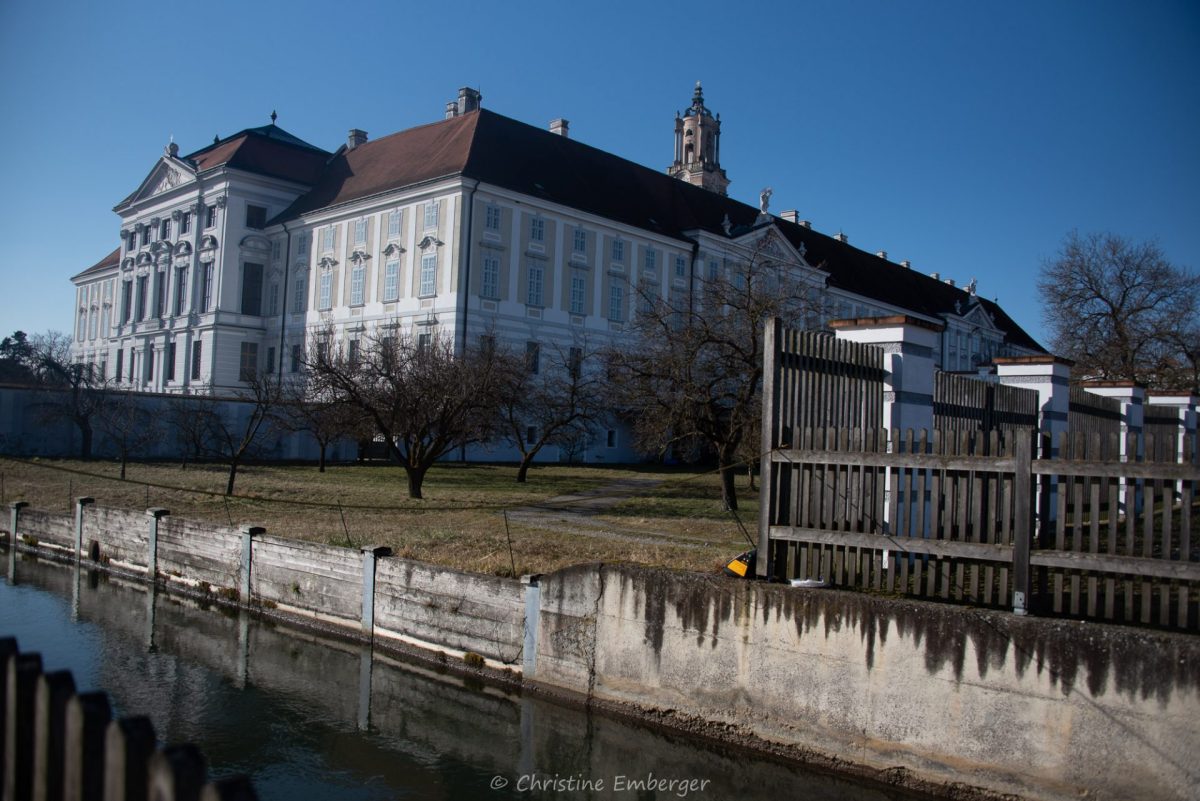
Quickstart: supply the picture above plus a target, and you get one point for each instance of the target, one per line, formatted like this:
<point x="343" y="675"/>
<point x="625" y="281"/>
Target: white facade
<point x="203" y="292"/>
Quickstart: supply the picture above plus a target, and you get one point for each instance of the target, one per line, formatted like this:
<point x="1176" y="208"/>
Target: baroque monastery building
<point x="233" y="256"/>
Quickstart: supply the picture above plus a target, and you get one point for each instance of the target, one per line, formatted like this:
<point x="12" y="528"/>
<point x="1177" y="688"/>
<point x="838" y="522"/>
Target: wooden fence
<point x="57" y="743"/>
<point x="976" y="517"/>
<point x="1088" y="413"/>
<point x="963" y="403"/>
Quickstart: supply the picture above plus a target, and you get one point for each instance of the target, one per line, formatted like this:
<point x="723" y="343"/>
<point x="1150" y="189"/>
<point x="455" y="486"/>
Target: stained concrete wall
<point x="1045" y="708"/>
<point x="1018" y="705"/>
<point x="461" y="611"/>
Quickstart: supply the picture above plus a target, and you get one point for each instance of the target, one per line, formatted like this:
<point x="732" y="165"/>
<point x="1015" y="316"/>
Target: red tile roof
<point x="111" y="260"/>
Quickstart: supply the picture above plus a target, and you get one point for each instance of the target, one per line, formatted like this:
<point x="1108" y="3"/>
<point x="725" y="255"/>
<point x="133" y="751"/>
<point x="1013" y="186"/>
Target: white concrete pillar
<point x="907" y="344"/>
<point x="80" y="503"/>
<point x="1050" y="377"/>
<point x="155" y="514"/>
<point x="1185" y="405"/>
<point x="1132" y="398"/>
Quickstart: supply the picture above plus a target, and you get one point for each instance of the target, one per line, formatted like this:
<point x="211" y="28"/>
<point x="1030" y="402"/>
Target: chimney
<point x="936" y="276"/>
<point x="805" y="223"/>
<point x="841" y="237"/>
<point x="468" y="99"/>
<point x="950" y="281"/>
<point x="355" y="138"/>
<point x="559" y="126"/>
<point x="906" y="264"/>
<point x="451" y="110"/>
<point x="882" y="254"/>
<point x="791" y="215"/>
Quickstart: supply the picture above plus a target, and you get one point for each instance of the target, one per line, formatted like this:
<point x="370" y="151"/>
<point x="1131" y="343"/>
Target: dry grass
<point x="460" y="523"/>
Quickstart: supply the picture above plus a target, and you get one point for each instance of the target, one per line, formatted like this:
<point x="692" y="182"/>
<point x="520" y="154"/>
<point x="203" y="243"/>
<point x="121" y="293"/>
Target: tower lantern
<point x="698" y="147"/>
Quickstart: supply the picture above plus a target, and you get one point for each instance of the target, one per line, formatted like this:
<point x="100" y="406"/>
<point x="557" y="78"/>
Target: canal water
<point x="313" y="717"/>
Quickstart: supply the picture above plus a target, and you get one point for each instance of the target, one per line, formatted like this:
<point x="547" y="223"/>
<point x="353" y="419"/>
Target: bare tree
<point x="424" y="399"/>
<point x="73" y="391"/>
<point x="128" y="424"/>
<point x="321" y="415"/>
<point x="188" y="417"/>
<point x="240" y="432"/>
<point x="691" y="381"/>
<point x="549" y="398"/>
<point x="1119" y="309"/>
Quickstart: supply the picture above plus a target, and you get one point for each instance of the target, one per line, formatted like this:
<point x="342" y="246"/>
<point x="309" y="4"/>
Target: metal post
<point x="16" y="507"/>
<point x="79" y="504"/>
<point x="1023" y="530"/>
<point x="533" y="606"/>
<point x="248" y="535"/>
<point x="155" y="515"/>
<point x="369" y="555"/>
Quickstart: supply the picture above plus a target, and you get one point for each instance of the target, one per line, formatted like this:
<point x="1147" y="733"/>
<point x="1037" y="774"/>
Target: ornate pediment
<point x="429" y="242"/>
<point x="144" y="258"/>
<point x="327" y="263"/>
<point x="127" y="265"/>
<point x="256" y="242"/>
<point x="183" y="248"/>
<point x="208" y="242"/>
<point x="168" y="174"/>
<point x="162" y="246"/>
<point x="359" y="256"/>
<point x="393" y="250"/>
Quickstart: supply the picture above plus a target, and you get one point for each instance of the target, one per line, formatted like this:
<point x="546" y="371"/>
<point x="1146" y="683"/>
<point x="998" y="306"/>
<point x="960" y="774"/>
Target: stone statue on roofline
<point x="764" y="199"/>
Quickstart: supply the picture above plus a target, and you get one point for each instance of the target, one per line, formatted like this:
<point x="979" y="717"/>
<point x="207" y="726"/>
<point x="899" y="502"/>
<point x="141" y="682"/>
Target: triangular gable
<point x="977" y="315"/>
<point x="167" y="174"/>
<point x="768" y="242"/>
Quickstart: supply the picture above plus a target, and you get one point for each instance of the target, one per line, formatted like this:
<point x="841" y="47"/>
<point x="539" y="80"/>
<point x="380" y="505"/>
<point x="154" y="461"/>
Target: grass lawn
<point x="674" y="520"/>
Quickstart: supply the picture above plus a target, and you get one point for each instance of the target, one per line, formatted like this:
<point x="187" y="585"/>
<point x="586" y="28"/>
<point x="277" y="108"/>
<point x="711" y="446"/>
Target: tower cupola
<point x="698" y="146"/>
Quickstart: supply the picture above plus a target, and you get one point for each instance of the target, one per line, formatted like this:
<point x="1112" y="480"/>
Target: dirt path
<point x="576" y="513"/>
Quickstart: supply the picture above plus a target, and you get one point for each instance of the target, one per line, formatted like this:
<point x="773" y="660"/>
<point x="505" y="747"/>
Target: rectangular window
<point x="210" y="217"/>
<point x="533" y="357"/>
<point x="105" y="320"/>
<point x="295" y="358"/>
<point x="248" y="365"/>
<point x="160" y="297"/>
<point x="360" y="232"/>
<point x="276" y="247"/>
<point x="391" y="280"/>
<point x="487" y="345"/>
<point x="575" y="362"/>
<point x="393" y="224"/>
<point x="578" y="292"/>
<point x="431" y="215"/>
<point x="256" y="217"/>
<point x="300" y="300"/>
<point x="131" y="367"/>
<point x="680" y="267"/>
<point x="491" y="277"/>
<point x="352" y="351"/>
<point x="327" y="237"/>
<point x="618" y="250"/>
<point x="93" y="323"/>
<point x="149" y="364"/>
<point x="197" y="350"/>
<point x="120" y="364"/>
<point x="270" y="360"/>
<point x="534" y="294"/>
<point x="185" y="223"/>
<point x="537" y="230"/>
<point x="140" y="310"/>
<point x="423" y="342"/>
<point x="610" y="439"/>
<point x="651" y="262"/>
<point x="712" y="271"/>
<point x="326" y="299"/>
<point x="273" y="299"/>
<point x="206" y="287"/>
<point x="126" y="301"/>
<point x="301" y="244"/>
<point x="164" y="229"/>
<point x="492" y="218"/>
<point x="428" y="274"/>
<point x="580" y="240"/>
<point x="357" y="279"/>
<point x="180" y="290"/>
<point x="145" y="236"/>
<point x="616" y="301"/>
<point x="169" y="375"/>
<point x="252" y="289"/>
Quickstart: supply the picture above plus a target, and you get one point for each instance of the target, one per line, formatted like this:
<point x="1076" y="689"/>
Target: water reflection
<point x="309" y="716"/>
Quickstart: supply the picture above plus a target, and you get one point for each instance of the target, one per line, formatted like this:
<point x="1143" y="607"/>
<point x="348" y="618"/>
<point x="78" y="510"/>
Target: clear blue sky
<point x="968" y="138"/>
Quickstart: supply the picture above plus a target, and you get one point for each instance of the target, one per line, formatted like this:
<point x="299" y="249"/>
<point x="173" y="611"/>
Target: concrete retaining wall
<point x="1017" y="705"/>
<point x="1045" y="708"/>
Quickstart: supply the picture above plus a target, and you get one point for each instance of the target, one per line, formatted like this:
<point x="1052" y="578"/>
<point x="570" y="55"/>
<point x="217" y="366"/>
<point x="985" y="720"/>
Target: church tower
<point x="698" y="147"/>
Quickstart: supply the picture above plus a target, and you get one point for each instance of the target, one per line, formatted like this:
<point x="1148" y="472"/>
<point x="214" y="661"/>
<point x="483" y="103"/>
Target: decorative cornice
<point x="359" y="256"/>
<point x="393" y="249"/>
<point x="429" y="242"/>
<point x="327" y="263"/>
